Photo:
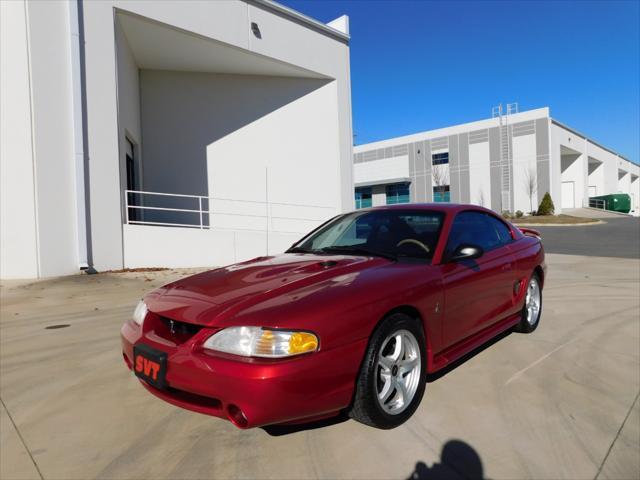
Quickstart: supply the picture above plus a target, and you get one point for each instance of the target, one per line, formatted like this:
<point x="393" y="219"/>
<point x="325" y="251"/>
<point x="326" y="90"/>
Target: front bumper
<point x="250" y="392"/>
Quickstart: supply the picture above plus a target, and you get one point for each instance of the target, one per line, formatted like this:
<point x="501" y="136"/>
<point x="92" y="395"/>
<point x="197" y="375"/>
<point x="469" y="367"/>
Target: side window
<point x="504" y="234"/>
<point x="473" y="228"/>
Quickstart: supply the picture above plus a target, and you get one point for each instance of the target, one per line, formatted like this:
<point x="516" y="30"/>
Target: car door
<point x="477" y="292"/>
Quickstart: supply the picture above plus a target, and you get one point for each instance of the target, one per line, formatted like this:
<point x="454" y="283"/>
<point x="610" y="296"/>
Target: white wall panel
<point x="524" y="169"/>
<point x="380" y="170"/>
<point x="128" y="103"/>
<point x="479" y="174"/>
<point x="289" y="156"/>
<point x="172" y="247"/>
<point x="147" y="246"/>
<point x="52" y="110"/>
<point x="19" y="252"/>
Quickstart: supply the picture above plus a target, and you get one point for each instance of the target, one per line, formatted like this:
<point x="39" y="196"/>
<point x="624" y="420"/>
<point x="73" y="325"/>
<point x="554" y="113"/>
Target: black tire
<point x="366" y="407"/>
<point x="525" y="326"/>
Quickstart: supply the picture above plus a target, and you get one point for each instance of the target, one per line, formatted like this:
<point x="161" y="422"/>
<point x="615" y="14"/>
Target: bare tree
<point x="440" y="178"/>
<point x="440" y="175"/>
<point x="531" y="185"/>
<point x="481" y="197"/>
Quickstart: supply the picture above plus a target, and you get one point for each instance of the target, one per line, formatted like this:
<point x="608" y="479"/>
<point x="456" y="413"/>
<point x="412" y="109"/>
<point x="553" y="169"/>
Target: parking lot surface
<point x="618" y="237"/>
<point x="559" y="403"/>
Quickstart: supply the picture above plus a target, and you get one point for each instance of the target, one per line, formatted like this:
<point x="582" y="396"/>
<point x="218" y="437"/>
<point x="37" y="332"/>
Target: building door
<point x="132" y="177"/>
<point x="568" y="195"/>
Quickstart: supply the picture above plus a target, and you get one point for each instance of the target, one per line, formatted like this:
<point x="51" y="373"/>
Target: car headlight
<point x="262" y="342"/>
<point x="140" y="313"/>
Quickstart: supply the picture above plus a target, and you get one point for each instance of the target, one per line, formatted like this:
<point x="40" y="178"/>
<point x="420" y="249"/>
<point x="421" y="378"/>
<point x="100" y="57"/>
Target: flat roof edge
<point x="583" y="136"/>
<point x="479" y="124"/>
<point x="290" y="12"/>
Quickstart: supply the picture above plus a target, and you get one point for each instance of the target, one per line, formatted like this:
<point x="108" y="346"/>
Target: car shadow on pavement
<point x="278" y="430"/>
<point x="458" y="460"/>
<point x="453" y="365"/>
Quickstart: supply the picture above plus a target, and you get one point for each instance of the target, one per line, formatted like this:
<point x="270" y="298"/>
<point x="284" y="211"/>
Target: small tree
<point x="531" y="186"/>
<point x="546" y="205"/>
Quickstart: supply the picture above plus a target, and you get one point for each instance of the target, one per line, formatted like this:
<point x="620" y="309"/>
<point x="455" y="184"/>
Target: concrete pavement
<point x="593" y="213"/>
<point x="618" y="237"/>
<point x="560" y="403"/>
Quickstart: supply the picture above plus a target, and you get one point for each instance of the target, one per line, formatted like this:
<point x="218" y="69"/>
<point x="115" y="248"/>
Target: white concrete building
<point x="167" y="133"/>
<point x="507" y="162"/>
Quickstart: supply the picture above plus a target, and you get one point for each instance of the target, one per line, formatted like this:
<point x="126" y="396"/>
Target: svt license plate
<point x="150" y="365"/>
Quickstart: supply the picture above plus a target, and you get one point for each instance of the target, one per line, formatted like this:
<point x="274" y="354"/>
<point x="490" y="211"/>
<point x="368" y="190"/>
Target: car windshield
<point x="386" y="233"/>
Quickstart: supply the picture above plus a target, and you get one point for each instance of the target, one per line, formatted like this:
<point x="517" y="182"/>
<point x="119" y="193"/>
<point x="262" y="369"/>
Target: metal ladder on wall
<point x="506" y="155"/>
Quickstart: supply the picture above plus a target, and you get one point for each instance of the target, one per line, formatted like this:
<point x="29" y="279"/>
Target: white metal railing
<point x="137" y="208"/>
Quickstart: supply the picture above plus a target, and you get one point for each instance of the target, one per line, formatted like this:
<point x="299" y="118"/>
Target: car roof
<point x="438" y="207"/>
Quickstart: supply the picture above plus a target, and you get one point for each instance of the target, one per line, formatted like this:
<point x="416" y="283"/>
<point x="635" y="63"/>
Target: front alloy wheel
<point x="393" y="374"/>
<point x="398" y="373"/>
<point x="532" y="308"/>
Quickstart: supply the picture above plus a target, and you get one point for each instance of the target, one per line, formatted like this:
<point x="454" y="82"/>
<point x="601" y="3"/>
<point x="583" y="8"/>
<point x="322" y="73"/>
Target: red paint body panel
<point x="461" y="307"/>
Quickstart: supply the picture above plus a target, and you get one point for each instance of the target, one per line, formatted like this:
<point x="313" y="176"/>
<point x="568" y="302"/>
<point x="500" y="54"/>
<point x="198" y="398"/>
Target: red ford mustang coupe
<point x="351" y="318"/>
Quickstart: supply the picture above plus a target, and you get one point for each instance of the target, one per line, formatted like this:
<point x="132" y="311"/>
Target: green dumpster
<point x="617" y="202"/>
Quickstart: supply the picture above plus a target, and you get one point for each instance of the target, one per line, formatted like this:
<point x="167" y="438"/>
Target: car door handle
<point x="506" y="267"/>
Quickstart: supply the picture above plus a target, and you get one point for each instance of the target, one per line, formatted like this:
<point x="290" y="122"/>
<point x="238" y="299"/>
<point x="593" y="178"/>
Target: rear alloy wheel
<point x="532" y="308"/>
<point x="392" y="379"/>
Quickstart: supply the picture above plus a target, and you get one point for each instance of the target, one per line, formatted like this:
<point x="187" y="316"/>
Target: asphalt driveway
<point x="560" y="403"/>
<point x="618" y="237"/>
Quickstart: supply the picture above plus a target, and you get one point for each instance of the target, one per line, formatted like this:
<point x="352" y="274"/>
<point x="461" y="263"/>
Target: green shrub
<point x="546" y="205"/>
<point x="506" y="214"/>
<point x="519" y="214"/>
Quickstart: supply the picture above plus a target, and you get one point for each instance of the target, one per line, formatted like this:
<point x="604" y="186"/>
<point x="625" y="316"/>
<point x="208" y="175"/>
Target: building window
<point x="397" y="193"/>
<point x="440" y="158"/>
<point x="441" y="193"/>
<point x="130" y="159"/>
<point x="363" y="197"/>
<point x="132" y="177"/>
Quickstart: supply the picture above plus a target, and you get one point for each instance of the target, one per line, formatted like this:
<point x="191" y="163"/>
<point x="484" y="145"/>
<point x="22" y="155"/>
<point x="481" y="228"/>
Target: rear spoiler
<point x="530" y="232"/>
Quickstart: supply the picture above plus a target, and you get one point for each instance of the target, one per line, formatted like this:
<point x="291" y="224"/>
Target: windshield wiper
<point x="355" y="250"/>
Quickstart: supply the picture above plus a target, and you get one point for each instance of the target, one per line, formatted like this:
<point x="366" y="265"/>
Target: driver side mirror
<point x="466" y="252"/>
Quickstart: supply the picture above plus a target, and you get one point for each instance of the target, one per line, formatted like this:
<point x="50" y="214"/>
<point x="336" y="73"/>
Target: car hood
<point x="212" y="298"/>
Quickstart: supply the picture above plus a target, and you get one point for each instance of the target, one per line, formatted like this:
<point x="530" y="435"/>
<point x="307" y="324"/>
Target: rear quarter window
<point x="478" y="228"/>
<point x="502" y="230"/>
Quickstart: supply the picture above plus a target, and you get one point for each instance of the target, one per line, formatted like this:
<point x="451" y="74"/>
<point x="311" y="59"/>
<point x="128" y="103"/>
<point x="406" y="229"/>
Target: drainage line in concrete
<point x="616" y="437"/>
<point x="21" y="439"/>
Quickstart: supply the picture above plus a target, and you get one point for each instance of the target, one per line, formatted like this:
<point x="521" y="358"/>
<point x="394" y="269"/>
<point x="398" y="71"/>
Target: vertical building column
<point x="512" y="186"/>
<point x="542" y="157"/>
<point x="102" y="136"/>
<point x="418" y="183"/>
<point x="495" y="167"/>
<point x="412" y="172"/>
<point x="428" y="179"/>
<point x="465" y="182"/>
<point x="454" y="170"/>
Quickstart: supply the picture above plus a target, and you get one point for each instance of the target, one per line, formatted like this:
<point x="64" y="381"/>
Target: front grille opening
<point x="175" y="331"/>
<point x="195" y="399"/>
